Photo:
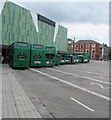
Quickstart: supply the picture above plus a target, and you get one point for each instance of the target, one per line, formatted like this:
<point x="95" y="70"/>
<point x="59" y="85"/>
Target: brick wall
<point x="92" y="48"/>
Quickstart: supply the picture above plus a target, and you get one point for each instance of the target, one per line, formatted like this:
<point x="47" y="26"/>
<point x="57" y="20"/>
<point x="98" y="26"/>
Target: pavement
<point x="0" y="92"/>
<point x="15" y="101"/>
<point x="64" y="91"/>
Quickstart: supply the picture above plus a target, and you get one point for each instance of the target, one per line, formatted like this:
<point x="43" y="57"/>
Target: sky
<point x="85" y="20"/>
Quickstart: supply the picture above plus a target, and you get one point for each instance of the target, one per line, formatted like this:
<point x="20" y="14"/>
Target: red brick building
<point x="94" y="48"/>
<point x="90" y="46"/>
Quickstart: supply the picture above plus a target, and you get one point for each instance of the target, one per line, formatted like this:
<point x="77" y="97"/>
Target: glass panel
<point x="55" y="32"/>
<point x="35" y="20"/>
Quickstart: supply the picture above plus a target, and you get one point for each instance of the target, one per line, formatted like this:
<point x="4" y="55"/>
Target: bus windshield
<point x="49" y="56"/>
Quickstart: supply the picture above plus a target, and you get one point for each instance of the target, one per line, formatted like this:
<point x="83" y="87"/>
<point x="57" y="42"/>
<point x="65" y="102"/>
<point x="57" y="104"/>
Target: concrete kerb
<point x="0" y="91"/>
<point x="35" y="101"/>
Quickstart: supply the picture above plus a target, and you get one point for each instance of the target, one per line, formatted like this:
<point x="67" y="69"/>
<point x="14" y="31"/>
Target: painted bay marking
<point x="85" y="71"/>
<point x="82" y="104"/>
<point x="73" y="85"/>
<point x="99" y="85"/>
<point x="102" y="77"/>
<point x="79" y="76"/>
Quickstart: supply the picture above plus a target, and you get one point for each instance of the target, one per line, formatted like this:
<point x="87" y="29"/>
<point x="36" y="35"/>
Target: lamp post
<point x="73" y="44"/>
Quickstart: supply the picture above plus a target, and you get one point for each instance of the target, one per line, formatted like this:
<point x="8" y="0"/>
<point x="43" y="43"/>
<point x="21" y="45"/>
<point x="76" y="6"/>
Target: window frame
<point x="81" y="45"/>
<point x="81" y="50"/>
<point x="93" y="45"/>
<point x="87" y="45"/>
<point x="93" y="55"/>
<point x="87" y="51"/>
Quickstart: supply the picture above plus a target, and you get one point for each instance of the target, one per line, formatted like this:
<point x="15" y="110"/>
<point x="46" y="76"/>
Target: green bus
<point x="65" y="57"/>
<point x="68" y="58"/>
<point x="62" y="56"/>
<point x="86" y="57"/>
<point x="58" y="59"/>
<point x="75" y="59"/>
<point x="82" y="57"/>
<point x="19" y="55"/>
<point x="49" y="56"/>
<point x="62" y="59"/>
<point x="37" y="55"/>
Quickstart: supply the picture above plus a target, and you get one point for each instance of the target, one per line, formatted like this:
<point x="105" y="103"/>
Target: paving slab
<point x="37" y="103"/>
<point x="15" y="102"/>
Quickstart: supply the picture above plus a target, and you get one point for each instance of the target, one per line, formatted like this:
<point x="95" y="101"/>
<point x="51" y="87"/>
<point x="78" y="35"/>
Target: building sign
<point x="46" y="20"/>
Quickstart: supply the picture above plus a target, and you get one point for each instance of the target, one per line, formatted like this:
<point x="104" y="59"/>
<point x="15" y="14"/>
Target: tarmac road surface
<point x="71" y="91"/>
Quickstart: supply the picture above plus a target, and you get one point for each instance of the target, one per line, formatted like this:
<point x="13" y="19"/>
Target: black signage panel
<point x="46" y="20"/>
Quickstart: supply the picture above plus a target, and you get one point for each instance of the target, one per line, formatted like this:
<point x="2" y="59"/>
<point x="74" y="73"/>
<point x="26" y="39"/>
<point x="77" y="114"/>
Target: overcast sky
<point x="84" y="20"/>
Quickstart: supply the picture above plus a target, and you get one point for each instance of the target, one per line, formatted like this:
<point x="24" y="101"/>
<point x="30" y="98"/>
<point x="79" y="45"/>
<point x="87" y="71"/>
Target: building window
<point x="93" y="56"/>
<point x="87" y="45"/>
<point x="93" y="50"/>
<point x="76" y="50"/>
<point x="87" y="50"/>
<point x="93" y="45"/>
<point x="81" y="50"/>
<point x="76" y="45"/>
<point x="81" y="46"/>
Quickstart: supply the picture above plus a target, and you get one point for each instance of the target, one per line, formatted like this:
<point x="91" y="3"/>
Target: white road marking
<point x="102" y="77"/>
<point x="99" y="85"/>
<point x="83" y="89"/>
<point x="99" y="61"/>
<point x="85" y="71"/>
<point x="79" y="76"/>
<point x="82" y="104"/>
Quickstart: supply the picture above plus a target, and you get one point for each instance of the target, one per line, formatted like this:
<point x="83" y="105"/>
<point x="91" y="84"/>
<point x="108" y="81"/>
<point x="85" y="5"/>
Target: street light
<point x="73" y="44"/>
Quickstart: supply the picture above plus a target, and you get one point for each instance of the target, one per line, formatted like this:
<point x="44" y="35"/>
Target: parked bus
<point x="58" y="59"/>
<point x="37" y="55"/>
<point x="82" y="57"/>
<point x="75" y="59"/>
<point x="49" y="56"/>
<point x="68" y="58"/>
<point x="62" y="56"/>
<point x="19" y="55"/>
<point x="65" y="57"/>
<point x="86" y="57"/>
